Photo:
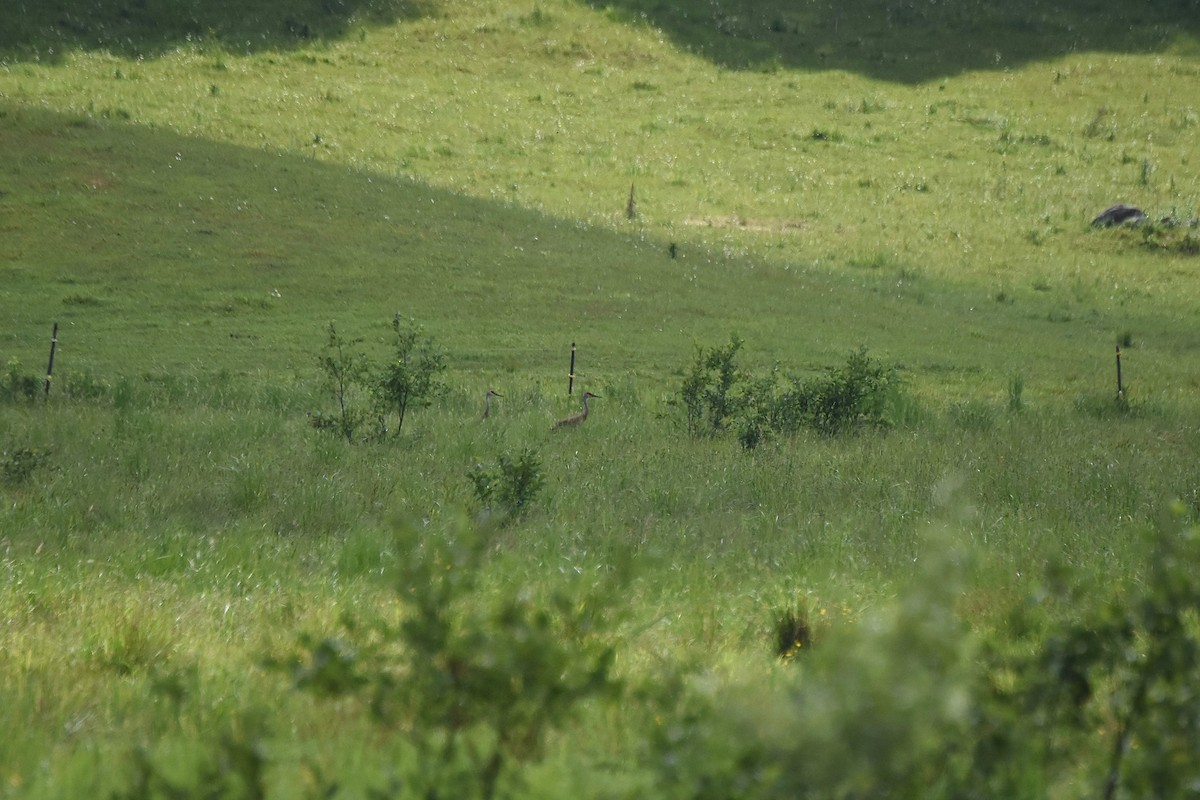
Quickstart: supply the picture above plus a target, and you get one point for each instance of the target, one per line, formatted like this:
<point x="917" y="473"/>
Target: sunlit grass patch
<point x="572" y="195"/>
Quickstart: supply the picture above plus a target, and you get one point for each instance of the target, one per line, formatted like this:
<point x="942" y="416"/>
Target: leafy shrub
<point x="16" y="385"/>
<point x="412" y="377"/>
<point x="345" y="370"/>
<point x="851" y="396"/>
<point x="1122" y="673"/>
<point x="707" y="389"/>
<point x="232" y="765"/>
<point x="875" y="711"/>
<point x="512" y="486"/>
<point x="473" y="679"/>
<point x="17" y="466"/>
<point x="717" y="396"/>
<point x="408" y="380"/>
<point x="907" y="702"/>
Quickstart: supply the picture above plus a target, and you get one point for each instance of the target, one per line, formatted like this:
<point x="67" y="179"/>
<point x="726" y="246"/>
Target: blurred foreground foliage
<point x="473" y="678"/>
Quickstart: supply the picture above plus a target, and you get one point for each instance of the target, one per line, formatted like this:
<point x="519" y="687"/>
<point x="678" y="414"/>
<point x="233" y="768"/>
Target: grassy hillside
<point x="960" y="204"/>
<point x="157" y="251"/>
<point x="203" y="593"/>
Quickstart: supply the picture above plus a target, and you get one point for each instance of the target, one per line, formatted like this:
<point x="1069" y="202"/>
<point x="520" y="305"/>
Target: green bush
<point x="17" y="466"/>
<point x="1121" y="674"/>
<point x="345" y="372"/>
<point x="411" y="378"/>
<point x="16" y="385"/>
<point x="707" y="390"/>
<point x="718" y="396"/>
<point x="908" y="702"/>
<point x="475" y="676"/>
<point x="408" y="380"/>
<point x="876" y="711"/>
<point x="852" y="396"/>
<point x="511" y="487"/>
<point x="232" y="766"/>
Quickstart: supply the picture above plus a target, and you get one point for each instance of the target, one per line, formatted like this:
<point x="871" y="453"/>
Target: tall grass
<point x="160" y="548"/>
<point x="196" y="200"/>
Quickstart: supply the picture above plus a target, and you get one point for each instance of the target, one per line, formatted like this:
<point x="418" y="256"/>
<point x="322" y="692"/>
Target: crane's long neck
<point x="585" y="407"/>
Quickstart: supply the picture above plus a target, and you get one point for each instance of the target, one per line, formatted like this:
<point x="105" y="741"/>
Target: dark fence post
<point x="50" y="366"/>
<point x="571" y="373"/>
<point x="1120" y="386"/>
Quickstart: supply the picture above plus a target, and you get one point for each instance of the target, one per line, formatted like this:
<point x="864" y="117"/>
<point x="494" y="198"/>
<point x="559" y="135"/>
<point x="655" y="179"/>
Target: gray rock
<point x="1120" y="214"/>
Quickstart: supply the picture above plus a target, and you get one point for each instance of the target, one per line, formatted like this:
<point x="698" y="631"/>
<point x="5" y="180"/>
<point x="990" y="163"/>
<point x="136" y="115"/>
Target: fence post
<point x="571" y="373"/>
<point x="50" y="366"/>
<point x="1120" y="386"/>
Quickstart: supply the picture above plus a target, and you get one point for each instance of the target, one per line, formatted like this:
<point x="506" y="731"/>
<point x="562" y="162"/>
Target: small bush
<point x="707" y="391"/>
<point x="793" y="633"/>
<point x="16" y="385"/>
<point x="1121" y="673"/>
<point x="876" y="711"/>
<point x="411" y="378"/>
<point x="511" y="487"/>
<point x="232" y="764"/>
<point x="345" y="370"/>
<point x="473" y="680"/>
<point x="17" y="466"/>
<point x="1016" y="393"/>
<point x="909" y="702"/>
<point x="717" y="396"/>
<point x="852" y="396"/>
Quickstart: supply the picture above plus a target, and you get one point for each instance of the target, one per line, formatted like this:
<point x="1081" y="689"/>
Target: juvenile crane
<point x="487" y="402"/>
<point x="577" y="418"/>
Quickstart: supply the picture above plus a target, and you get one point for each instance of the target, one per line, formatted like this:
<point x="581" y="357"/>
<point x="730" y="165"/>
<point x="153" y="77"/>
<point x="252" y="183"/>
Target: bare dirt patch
<point x="749" y="224"/>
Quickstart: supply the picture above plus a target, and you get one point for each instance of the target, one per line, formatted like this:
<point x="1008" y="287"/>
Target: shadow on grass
<point x="116" y="229"/>
<point x="45" y="30"/>
<point x="169" y="254"/>
<point x="909" y="41"/>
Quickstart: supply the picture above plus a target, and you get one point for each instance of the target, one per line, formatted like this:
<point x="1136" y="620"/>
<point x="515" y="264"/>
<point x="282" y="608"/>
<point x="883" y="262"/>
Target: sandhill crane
<point x="578" y="418"/>
<point x="487" y="402"/>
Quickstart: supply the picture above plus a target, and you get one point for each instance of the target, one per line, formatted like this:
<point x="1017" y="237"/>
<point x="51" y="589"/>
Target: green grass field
<point x="989" y="595"/>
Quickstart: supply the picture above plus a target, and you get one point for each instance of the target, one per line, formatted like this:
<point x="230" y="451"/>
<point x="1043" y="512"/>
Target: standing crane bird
<point x="487" y="402"/>
<point x="577" y="418"/>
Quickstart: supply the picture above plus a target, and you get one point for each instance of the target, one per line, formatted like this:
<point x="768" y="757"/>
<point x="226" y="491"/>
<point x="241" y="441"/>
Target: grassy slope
<point x="949" y="206"/>
<point x="154" y="207"/>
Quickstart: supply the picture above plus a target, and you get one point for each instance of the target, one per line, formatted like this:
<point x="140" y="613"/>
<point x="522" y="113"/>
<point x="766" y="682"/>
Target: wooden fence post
<point x="50" y="366"/>
<point x="1120" y="386"/>
<point x="571" y="373"/>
